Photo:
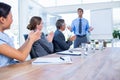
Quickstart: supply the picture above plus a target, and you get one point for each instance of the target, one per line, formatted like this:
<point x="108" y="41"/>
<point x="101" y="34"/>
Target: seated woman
<point x="7" y="52"/>
<point x="60" y="44"/>
<point x="44" y="45"/>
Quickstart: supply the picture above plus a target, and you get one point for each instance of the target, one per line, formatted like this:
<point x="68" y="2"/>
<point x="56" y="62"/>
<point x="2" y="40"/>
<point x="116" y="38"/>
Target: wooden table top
<point x="101" y="65"/>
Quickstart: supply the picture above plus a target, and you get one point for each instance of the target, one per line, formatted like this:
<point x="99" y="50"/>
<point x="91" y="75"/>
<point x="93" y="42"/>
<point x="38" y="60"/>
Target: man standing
<point x="80" y="27"/>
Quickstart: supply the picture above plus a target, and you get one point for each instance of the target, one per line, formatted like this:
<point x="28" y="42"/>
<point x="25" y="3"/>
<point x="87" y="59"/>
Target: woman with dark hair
<point x="44" y="45"/>
<point x="7" y="52"/>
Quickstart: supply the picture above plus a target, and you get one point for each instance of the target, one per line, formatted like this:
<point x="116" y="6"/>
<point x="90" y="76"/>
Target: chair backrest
<point x="25" y="36"/>
<point x="32" y="52"/>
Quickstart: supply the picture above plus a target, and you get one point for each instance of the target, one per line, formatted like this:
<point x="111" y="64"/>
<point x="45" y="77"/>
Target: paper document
<point x="53" y="60"/>
<point x="77" y="49"/>
<point x="70" y="52"/>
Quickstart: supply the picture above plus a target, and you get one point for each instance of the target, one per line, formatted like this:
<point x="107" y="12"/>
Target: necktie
<point x="80" y="26"/>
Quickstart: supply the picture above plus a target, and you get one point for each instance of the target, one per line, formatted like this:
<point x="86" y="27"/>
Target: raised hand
<point x="35" y="35"/>
<point x="50" y="36"/>
<point x="72" y="38"/>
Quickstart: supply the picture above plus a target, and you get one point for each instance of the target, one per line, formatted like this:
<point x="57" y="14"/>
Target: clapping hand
<point x="50" y="36"/>
<point x="72" y="38"/>
<point x="35" y="35"/>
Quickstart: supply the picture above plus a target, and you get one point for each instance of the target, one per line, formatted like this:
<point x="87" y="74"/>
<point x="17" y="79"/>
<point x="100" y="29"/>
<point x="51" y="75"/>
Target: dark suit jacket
<point x="59" y="42"/>
<point x="41" y="47"/>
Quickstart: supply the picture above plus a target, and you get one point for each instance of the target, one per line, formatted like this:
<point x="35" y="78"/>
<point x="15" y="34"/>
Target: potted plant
<point x="116" y="34"/>
<point x="119" y="35"/>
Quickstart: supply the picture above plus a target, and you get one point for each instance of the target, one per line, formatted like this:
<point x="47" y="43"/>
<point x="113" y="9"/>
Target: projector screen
<point x="101" y="21"/>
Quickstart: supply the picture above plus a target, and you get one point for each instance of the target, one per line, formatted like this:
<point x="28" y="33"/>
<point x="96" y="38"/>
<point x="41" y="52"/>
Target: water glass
<point x="100" y="44"/>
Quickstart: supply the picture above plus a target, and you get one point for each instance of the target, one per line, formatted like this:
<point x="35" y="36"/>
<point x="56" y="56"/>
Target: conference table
<point x="99" y="65"/>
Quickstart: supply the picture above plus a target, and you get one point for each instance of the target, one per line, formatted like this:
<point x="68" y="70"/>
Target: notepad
<point x="77" y="49"/>
<point x="52" y="60"/>
<point x="70" y="52"/>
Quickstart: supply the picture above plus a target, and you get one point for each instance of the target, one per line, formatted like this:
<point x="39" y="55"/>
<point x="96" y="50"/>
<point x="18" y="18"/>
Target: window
<point x="14" y="30"/>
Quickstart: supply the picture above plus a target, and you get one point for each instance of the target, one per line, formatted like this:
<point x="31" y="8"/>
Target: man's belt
<point x="80" y="35"/>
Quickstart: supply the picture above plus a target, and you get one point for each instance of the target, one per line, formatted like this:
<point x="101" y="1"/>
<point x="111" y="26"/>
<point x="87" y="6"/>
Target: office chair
<point x="25" y="36"/>
<point x="32" y="53"/>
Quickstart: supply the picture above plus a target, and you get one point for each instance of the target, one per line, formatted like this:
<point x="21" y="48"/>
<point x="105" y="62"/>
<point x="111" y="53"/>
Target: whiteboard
<point x="102" y="22"/>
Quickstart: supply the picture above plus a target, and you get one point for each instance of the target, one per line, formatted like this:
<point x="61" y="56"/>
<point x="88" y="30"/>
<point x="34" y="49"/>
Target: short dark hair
<point x="80" y="9"/>
<point x="35" y="20"/>
<point x="60" y="23"/>
<point x="4" y="9"/>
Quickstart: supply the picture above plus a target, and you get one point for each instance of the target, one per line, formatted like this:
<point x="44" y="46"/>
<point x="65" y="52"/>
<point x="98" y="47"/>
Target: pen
<point x="71" y="51"/>
<point x="41" y="62"/>
<point x="62" y="58"/>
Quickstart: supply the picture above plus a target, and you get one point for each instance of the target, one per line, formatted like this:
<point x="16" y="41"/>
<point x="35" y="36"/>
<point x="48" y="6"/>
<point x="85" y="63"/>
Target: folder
<point x="52" y="60"/>
<point x="70" y="52"/>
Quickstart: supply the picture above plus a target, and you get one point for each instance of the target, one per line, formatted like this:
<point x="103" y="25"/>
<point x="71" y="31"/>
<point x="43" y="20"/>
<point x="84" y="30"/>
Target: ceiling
<point x="53" y="3"/>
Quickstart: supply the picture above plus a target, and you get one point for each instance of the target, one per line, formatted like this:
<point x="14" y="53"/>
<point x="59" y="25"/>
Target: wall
<point x="27" y="9"/>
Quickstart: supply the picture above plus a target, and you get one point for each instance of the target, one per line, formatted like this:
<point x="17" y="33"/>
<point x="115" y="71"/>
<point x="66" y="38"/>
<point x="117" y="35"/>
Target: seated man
<point x="60" y="44"/>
